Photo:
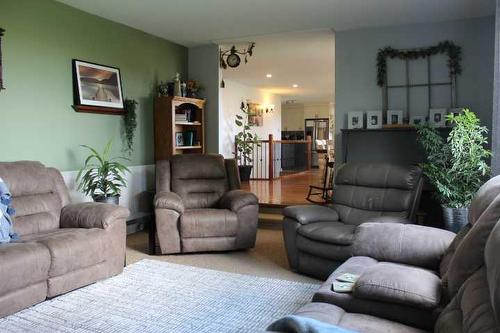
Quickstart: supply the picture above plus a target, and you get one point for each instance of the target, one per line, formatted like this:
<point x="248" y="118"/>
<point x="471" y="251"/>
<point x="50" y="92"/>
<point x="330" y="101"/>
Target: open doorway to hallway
<point x="288" y="86"/>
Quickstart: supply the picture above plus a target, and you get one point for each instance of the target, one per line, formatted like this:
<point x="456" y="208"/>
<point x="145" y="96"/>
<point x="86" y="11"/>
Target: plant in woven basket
<point x="102" y="176"/>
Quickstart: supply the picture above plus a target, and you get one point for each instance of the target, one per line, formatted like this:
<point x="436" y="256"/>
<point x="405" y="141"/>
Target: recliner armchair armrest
<point x="92" y="215"/>
<point x="388" y="219"/>
<point x="237" y="199"/>
<point x="402" y="243"/>
<point x="305" y="214"/>
<point x="169" y="200"/>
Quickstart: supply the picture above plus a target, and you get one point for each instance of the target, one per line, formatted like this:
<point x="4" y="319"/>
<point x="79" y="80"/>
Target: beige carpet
<point x="267" y="259"/>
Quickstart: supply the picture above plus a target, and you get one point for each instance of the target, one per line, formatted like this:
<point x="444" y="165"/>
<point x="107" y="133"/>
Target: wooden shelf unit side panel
<point x="163" y="123"/>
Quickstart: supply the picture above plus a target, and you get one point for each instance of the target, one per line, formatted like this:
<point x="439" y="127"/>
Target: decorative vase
<point x="245" y="171"/>
<point x="111" y="200"/>
<point x="455" y="218"/>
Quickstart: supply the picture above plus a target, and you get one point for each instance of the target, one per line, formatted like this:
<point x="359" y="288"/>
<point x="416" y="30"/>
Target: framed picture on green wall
<point x="97" y="88"/>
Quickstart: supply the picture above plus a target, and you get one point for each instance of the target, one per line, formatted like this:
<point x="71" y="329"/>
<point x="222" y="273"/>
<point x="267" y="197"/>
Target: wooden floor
<point x="286" y="190"/>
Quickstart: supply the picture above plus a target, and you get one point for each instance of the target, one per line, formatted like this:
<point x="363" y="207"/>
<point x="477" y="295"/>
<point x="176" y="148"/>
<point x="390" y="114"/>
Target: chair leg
<point x="152" y="236"/>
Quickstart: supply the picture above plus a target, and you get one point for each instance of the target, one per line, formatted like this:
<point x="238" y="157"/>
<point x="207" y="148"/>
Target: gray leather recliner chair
<point x="411" y="282"/>
<point x="319" y="238"/>
<point x="199" y="206"/>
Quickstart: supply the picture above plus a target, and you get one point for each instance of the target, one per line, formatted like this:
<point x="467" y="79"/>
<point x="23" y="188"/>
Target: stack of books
<point x="181" y="117"/>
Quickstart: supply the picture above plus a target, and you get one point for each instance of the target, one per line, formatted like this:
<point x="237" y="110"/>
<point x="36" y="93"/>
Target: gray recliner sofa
<point x="319" y="238"/>
<point x="199" y="205"/>
<point x="410" y="281"/>
<point x="62" y="246"/>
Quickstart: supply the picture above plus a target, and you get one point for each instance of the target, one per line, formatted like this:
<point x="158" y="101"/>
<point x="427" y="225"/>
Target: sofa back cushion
<point x="367" y="190"/>
<point x="200" y="180"/>
<point x="465" y="255"/>
<point x="476" y="305"/>
<point x="482" y="200"/>
<point x="38" y="194"/>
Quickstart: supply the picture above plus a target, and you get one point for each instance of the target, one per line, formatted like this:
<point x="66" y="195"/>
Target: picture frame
<point x="97" y="88"/>
<point x="374" y="119"/>
<point x="417" y="120"/>
<point x="255" y="115"/>
<point x="355" y="120"/>
<point x="437" y="117"/>
<point x="179" y="139"/>
<point x="394" y="117"/>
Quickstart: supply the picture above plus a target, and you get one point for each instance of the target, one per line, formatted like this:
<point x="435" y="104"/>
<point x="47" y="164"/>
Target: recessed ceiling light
<point x="269" y="75"/>
<point x="295" y="85"/>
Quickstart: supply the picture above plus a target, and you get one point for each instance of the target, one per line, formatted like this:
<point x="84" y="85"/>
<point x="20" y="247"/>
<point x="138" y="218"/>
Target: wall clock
<point x="232" y="57"/>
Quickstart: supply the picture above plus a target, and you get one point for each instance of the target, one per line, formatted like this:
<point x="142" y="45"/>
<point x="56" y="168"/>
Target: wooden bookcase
<point x="166" y="126"/>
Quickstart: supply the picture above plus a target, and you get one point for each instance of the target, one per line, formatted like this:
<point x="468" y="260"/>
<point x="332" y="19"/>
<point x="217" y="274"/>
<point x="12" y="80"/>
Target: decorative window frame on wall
<point x="2" y="87"/>
<point x="454" y="53"/>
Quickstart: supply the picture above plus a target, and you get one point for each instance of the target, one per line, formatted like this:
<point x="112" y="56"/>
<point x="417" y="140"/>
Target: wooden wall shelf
<point x="98" y="109"/>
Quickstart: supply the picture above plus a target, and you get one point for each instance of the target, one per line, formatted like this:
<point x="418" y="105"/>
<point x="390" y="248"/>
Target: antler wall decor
<point x="1" y="69"/>
<point x="232" y="58"/>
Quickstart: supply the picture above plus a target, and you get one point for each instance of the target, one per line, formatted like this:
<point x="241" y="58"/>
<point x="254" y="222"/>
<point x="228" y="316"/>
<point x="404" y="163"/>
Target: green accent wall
<point x="36" y="118"/>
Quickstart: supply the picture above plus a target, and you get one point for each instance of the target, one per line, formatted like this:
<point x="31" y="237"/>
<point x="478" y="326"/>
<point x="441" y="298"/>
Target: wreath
<point x="453" y="51"/>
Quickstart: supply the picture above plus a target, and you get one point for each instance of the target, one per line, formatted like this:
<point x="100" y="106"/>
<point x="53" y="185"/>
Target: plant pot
<point x="111" y="200"/>
<point x="455" y="218"/>
<point x="245" y="171"/>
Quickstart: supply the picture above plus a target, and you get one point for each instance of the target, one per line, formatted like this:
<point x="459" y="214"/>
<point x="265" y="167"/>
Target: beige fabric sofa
<point x="62" y="246"/>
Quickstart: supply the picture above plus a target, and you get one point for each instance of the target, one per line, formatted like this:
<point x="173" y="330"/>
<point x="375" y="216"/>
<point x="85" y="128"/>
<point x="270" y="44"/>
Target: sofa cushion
<point x="72" y="249"/>
<point x="398" y="283"/>
<point x="208" y="222"/>
<point x="335" y="315"/>
<point x="392" y="310"/>
<point x="37" y="195"/>
<point x="329" y="232"/>
<point x="200" y="180"/>
<point x="22" y="265"/>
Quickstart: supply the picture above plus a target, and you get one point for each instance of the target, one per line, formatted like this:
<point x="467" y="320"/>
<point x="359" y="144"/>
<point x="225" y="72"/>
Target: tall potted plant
<point x="245" y="142"/>
<point x="101" y="176"/>
<point x="456" y="167"/>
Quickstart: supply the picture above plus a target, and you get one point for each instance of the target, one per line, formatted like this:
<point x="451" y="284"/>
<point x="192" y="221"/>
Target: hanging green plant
<point x="129" y="124"/>
<point x="454" y="53"/>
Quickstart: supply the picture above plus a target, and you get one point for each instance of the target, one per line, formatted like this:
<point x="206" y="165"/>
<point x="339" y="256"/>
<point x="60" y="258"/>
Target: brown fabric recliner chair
<point x="62" y="246"/>
<point x="319" y="238"/>
<point x="199" y="206"/>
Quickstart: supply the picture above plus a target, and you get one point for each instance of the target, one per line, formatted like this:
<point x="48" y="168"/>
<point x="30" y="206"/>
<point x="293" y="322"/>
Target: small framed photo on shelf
<point x="437" y="117"/>
<point x="417" y="120"/>
<point x="355" y="120"/>
<point x="373" y="119"/>
<point x="179" y="139"/>
<point x="394" y="117"/>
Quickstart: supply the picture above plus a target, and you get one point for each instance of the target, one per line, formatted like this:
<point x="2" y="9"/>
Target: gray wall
<point x="356" y="50"/>
<point x="495" y="162"/>
<point x="203" y="65"/>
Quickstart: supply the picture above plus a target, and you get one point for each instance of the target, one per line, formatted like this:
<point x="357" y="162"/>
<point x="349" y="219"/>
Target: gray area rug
<point x="154" y="296"/>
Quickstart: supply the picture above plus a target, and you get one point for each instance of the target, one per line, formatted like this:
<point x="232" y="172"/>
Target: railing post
<point x="271" y="157"/>
<point x="236" y="149"/>
<point x="309" y="152"/>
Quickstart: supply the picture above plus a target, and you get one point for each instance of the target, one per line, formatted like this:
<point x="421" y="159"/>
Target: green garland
<point x="453" y="51"/>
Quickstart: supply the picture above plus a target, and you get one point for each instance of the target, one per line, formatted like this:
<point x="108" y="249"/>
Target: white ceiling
<point x="196" y="22"/>
<point x="303" y="58"/>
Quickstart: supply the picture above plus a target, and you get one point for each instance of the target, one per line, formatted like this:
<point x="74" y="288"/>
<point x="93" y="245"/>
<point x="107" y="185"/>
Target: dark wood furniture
<point x="166" y="126"/>
<point x="323" y="192"/>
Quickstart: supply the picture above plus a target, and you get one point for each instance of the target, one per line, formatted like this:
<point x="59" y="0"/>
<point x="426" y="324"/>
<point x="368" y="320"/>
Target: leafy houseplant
<point x="129" y="125"/>
<point x="458" y="166"/>
<point x="245" y="142"/>
<point x="101" y="177"/>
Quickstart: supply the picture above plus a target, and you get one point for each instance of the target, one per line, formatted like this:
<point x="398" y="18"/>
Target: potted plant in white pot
<point x="456" y="167"/>
<point x="245" y="142"/>
<point x="102" y="176"/>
